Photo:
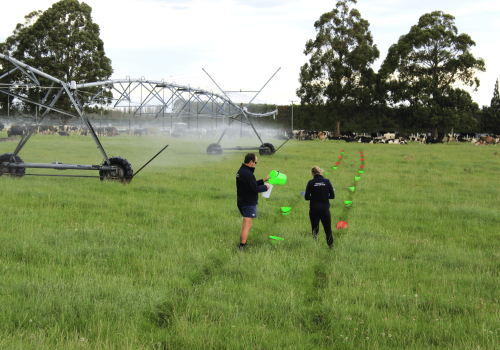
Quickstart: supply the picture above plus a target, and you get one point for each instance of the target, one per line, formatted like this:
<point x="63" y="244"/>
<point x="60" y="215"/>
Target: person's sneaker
<point x="243" y="247"/>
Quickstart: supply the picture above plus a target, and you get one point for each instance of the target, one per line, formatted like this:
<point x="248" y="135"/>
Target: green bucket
<point x="334" y="168"/>
<point x="352" y="188"/>
<point x="361" y="171"/>
<point x="276" y="240"/>
<point x="356" y="178"/>
<point x="277" y="178"/>
<point x="286" y="210"/>
<point x="347" y="203"/>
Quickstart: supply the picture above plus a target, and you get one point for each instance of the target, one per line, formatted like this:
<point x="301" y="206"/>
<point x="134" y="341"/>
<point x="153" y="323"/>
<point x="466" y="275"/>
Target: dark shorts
<point x="248" y="211"/>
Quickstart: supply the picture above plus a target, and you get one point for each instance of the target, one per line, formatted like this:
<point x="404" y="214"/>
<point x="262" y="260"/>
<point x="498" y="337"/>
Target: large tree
<point x="426" y="69"/>
<point x="62" y="41"/>
<point x="338" y="74"/>
<point x="490" y="118"/>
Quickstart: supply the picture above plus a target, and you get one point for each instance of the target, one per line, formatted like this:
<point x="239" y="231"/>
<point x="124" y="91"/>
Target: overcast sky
<point x="241" y="43"/>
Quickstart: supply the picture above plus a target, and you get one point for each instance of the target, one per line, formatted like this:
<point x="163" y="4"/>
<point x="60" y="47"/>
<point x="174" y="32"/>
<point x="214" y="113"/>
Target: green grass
<point x="155" y="265"/>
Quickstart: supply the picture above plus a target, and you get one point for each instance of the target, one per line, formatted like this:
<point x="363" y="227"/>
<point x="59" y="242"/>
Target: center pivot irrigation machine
<point x="171" y="98"/>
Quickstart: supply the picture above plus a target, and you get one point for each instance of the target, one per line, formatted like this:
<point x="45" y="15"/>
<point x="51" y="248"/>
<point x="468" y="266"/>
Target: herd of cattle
<point x="110" y="131"/>
<point x="394" y="138"/>
<point x="301" y="135"/>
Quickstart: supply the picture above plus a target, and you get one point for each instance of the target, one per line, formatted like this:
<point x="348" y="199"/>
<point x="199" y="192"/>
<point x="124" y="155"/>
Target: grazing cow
<point x="322" y="136"/>
<point x="486" y="140"/>
<point x="364" y="139"/>
<point x="153" y="131"/>
<point x="452" y="138"/>
<point x="19" y="130"/>
<point x="138" y="132"/>
<point x="1" y="126"/>
<point x="46" y="130"/>
<point x="63" y="133"/>
<point x="111" y="131"/>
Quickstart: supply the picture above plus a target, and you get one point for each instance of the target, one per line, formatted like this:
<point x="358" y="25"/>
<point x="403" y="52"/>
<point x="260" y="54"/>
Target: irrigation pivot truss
<point x="170" y="98"/>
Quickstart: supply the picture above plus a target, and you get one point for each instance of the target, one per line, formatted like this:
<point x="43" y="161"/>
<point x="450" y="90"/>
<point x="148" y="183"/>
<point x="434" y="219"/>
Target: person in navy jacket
<point x="248" y="189"/>
<point x="319" y="191"/>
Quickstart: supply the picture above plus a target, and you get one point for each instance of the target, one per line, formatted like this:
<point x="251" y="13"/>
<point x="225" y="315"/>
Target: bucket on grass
<point x="277" y="178"/>
<point x="276" y="240"/>
<point x="286" y="210"/>
<point x="341" y="224"/>
<point x="348" y="203"/>
<point x="338" y="163"/>
<point x="356" y="178"/>
<point x="334" y="168"/>
<point x="361" y="171"/>
<point x="352" y="188"/>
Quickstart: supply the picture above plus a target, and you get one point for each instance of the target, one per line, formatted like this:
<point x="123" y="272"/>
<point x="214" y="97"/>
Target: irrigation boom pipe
<point x="282" y="145"/>
<point x="149" y="161"/>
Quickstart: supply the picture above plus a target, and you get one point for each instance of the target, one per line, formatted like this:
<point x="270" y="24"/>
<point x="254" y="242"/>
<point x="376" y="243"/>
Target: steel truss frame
<point x="124" y="88"/>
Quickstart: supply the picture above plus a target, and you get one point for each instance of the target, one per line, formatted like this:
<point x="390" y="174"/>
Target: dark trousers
<point x="326" y="219"/>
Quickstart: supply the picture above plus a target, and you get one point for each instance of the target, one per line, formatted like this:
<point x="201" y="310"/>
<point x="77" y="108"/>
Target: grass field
<point x="155" y="264"/>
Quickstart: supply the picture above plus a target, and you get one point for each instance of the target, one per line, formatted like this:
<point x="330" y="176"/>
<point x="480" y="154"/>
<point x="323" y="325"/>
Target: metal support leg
<point x="82" y="114"/>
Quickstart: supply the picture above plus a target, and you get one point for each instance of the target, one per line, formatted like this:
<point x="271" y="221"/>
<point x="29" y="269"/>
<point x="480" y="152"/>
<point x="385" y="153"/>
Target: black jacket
<point x="247" y="187"/>
<point x="319" y="190"/>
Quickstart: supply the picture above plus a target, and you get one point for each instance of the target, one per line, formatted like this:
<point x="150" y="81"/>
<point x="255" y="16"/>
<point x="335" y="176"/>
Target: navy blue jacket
<point x="248" y="187"/>
<point x="319" y="190"/>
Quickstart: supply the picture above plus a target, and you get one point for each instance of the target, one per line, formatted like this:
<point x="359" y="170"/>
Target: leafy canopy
<point x="338" y="72"/>
<point x="62" y="41"/>
<point x="427" y="66"/>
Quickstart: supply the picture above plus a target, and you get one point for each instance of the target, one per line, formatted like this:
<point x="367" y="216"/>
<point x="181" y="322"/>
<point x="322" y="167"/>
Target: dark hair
<point x="249" y="157"/>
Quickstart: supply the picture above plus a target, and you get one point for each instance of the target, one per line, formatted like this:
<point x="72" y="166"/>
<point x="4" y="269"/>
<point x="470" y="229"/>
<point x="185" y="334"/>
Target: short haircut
<point x="249" y="157"/>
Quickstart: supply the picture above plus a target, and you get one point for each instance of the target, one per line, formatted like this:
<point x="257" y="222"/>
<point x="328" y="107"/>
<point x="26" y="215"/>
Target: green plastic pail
<point x="277" y="178"/>
<point x="286" y="210"/>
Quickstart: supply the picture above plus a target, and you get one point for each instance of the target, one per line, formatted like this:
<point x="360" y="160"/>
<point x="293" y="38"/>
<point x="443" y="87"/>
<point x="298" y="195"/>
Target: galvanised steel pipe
<point x="59" y="166"/>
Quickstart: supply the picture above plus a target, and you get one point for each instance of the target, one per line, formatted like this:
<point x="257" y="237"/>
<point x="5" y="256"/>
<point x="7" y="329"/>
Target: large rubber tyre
<point x="124" y="172"/>
<point x="214" y="148"/>
<point x="263" y="151"/>
<point x="19" y="172"/>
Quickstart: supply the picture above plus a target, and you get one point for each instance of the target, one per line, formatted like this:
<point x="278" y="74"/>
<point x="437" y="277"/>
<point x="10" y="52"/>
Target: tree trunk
<point x="336" y="133"/>
<point x="434" y="132"/>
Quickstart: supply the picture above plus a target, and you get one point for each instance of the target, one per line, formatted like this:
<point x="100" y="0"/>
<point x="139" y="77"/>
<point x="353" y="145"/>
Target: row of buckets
<point x="277" y="178"/>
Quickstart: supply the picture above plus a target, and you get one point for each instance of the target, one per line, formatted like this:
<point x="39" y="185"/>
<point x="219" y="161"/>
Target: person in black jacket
<point x="248" y="189"/>
<point x="319" y="191"/>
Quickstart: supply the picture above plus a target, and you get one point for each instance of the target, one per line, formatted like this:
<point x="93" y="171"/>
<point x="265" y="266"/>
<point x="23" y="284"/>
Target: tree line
<point x="419" y="86"/>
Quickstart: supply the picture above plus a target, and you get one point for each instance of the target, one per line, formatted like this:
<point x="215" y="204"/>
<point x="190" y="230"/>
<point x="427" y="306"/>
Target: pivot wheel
<point x="214" y="148"/>
<point x="11" y="171"/>
<point x="123" y="172"/>
<point x="267" y="149"/>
